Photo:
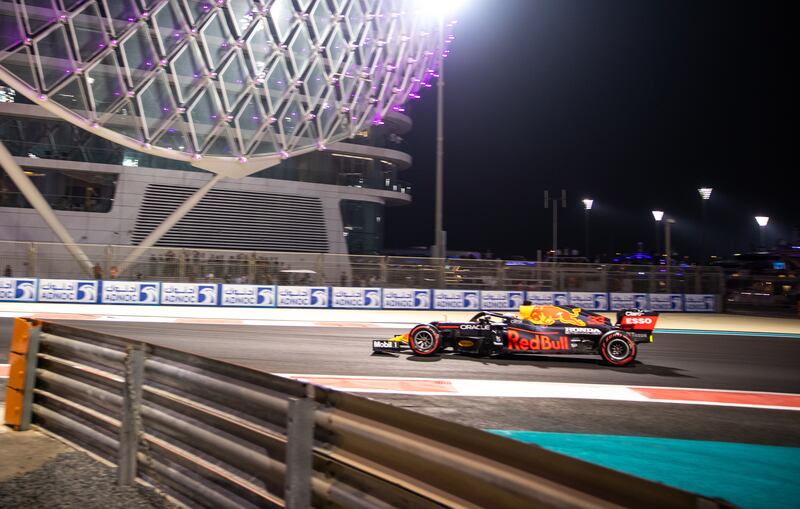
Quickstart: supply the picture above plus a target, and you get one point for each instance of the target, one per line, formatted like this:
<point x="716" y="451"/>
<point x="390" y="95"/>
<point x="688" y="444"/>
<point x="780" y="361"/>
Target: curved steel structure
<point x="231" y="86"/>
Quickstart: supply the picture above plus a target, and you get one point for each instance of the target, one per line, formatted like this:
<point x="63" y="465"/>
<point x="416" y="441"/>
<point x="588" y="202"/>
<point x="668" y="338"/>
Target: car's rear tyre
<point x="424" y="340"/>
<point x="617" y="349"/>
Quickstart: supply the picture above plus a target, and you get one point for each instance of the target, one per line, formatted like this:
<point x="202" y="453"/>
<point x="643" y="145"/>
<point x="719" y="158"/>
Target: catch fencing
<point x="52" y="260"/>
<point x="220" y="435"/>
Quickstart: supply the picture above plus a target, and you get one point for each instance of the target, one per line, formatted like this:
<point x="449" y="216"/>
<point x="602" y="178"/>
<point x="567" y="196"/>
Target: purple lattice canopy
<point x="229" y="85"/>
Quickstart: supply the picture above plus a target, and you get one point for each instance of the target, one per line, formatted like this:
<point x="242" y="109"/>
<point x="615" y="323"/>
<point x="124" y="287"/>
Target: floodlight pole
<point x="668" y="222"/>
<point x="35" y="198"/>
<point x="440" y="250"/>
<point x="547" y="204"/>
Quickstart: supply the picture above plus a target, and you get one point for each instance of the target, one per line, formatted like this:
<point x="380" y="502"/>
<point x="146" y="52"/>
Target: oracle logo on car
<point x="473" y="327"/>
<point x="539" y="342"/>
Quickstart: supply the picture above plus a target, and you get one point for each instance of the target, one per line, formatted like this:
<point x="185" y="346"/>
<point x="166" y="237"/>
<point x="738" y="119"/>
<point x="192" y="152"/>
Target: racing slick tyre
<point x="424" y="340"/>
<point x="617" y="349"/>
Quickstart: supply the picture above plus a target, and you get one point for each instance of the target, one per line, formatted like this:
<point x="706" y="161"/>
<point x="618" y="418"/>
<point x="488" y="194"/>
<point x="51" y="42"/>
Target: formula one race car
<point x="537" y="330"/>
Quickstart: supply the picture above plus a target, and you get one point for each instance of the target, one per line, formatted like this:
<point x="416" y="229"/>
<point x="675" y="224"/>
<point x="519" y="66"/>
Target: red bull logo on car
<point x="536" y="342"/>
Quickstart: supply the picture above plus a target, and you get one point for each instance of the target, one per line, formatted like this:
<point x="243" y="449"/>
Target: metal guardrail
<point x="214" y="434"/>
<point x="52" y="260"/>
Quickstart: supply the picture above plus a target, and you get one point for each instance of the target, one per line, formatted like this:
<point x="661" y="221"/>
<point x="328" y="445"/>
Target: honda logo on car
<point x="537" y="342"/>
<point x="582" y="331"/>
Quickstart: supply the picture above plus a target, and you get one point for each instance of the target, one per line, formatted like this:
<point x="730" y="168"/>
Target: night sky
<point x="635" y="104"/>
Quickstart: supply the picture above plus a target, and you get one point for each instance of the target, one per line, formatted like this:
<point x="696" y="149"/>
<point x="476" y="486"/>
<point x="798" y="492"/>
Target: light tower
<point x="587" y="206"/>
<point x="762" y="225"/>
<point x="658" y="215"/>
<point x="705" y="195"/>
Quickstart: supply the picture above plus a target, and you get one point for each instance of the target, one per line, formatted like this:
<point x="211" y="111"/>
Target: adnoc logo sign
<point x="76" y="291"/>
<point x="303" y="296"/>
<point x="592" y="301"/>
<point x="699" y="303"/>
<point x="248" y="295"/>
<point x="357" y="298"/>
<point x="548" y="298"/>
<point x="666" y="302"/>
<point x="130" y="292"/>
<point x="189" y="294"/>
<point x="628" y="301"/>
<point x="456" y="299"/>
<point x="501" y="301"/>
<point x="18" y="289"/>
<point x="406" y="298"/>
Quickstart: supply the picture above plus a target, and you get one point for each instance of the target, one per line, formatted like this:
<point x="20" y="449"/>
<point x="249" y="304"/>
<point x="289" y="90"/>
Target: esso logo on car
<point x="638" y="320"/>
<point x="473" y="327"/>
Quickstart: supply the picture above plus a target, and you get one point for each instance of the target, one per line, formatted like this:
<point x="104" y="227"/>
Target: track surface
<point x="674" y="360"/>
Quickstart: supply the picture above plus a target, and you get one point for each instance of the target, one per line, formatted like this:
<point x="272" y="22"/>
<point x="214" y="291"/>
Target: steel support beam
<point x="34" y="196"/>
<point x="299" y="453"/>
<point x="168" y="223"/>
<point x="131" y="415"/>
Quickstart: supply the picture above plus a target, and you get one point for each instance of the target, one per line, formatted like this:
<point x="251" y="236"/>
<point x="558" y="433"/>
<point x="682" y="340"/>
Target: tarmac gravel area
<point x="37" y="471"/>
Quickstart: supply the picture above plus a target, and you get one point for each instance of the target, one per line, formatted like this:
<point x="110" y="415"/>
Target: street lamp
<point x="705" y="195"/>
<point x="547" y="204"/>
<point x="658" y="215"/>
<point x="439" y="10"/>
<point x="668" y="222"/>
<point x="587" y="206"/>
<point x="762" y="224"/>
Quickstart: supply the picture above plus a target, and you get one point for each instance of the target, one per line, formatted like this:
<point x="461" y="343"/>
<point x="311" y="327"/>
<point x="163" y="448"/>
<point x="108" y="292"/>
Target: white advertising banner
<point x="130" y="292"/>
<point x="18" y="289"/>
<point x="406" y="298"/>
<point x="77" y="291"/>
<point x="548" y="298"/>
<point x="189" y="294"/>
<point x="355" y="298"/>
<point x="501" y="301"/>
<point x="699" y="303"/>
<point x="303" y="296"/>
<point x="666" y="302"/>
<point x="456" y="299"/>
<point x="591" y="301"/>
<point x="629" y="301"/>
<point x="262" y="296"/>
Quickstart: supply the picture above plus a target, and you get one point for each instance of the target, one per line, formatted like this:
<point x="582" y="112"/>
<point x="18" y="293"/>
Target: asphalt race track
<point x="675" y="360"/>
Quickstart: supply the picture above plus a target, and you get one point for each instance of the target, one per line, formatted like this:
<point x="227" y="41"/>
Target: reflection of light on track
<point x="4" y="370"/>
<point x="520" y="389"/>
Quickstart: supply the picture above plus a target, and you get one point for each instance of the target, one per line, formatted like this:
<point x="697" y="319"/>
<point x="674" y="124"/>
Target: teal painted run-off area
<point x="750" y="476"/>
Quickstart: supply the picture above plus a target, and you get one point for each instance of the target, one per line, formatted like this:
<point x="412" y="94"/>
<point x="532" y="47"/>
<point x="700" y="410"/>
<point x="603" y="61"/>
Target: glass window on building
<point x="81" y="191"/>
<point x="363" y="226"/>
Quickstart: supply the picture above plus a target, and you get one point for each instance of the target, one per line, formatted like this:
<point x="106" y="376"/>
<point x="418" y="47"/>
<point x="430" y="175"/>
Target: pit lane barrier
<point x="154" y="293"/>
<point x="215" y="434"/>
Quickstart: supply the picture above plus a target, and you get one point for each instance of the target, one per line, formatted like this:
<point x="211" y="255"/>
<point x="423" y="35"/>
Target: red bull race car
<point x="537" y="330"/>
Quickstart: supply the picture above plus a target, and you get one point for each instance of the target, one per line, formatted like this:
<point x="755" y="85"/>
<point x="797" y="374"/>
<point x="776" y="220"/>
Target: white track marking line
<point x="555" y="390"/>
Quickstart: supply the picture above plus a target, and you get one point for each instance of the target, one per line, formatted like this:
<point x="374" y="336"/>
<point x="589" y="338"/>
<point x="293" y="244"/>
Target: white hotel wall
<point x="115" y="226"/>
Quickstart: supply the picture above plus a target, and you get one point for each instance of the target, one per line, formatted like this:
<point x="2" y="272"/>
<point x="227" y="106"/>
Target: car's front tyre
<point x="424" y="340"/>
<point x="617" y="349"/>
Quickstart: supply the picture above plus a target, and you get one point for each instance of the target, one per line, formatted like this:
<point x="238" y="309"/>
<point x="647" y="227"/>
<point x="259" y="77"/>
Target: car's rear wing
<point x="637" y="320"/>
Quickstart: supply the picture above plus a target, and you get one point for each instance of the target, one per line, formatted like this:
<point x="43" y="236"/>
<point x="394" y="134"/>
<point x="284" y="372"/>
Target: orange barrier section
<point x="18" y="359"/>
